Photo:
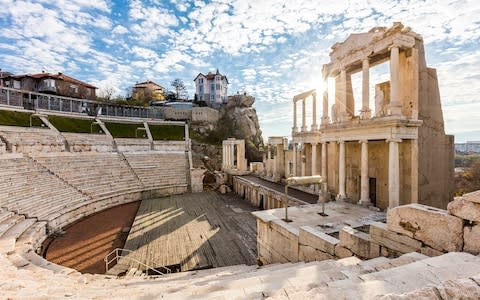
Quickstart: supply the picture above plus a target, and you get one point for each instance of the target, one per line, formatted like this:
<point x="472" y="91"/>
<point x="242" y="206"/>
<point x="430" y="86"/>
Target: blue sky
<point x="268" y="48"/>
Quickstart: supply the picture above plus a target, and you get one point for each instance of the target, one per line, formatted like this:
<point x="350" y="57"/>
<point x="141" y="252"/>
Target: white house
<point x="211" y="88"/>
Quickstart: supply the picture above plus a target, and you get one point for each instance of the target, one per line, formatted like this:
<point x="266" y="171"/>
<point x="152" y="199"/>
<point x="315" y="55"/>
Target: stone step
<point x="32" y="237"/>
<point x="9" y="237"/>
<point x="401" y="279"/>
<point x="4" y="215"/>
<point x="9" y="222"/>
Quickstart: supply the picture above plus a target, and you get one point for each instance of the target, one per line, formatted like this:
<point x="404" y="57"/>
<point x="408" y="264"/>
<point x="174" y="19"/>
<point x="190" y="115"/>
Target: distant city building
<point x="211" y="88"/>
<point x="149" y="91"/>
<point x="57" y="84"/>
<point x="468" y="147"/>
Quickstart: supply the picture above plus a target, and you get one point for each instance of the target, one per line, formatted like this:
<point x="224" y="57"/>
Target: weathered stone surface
<point x="459" y="289"/>
<point x="342" y="252"/>
<point x="380" y="234"/>
<point x="464" y="209"/>
<point x="430" y="251"/>
<point x="359" y="243"/>
<point x="307" y="254"/>
<point x="472" y="197"/>
<point x="433" y="226"/>
<point x="471" y="238"/>
<point x="317" y="239"/>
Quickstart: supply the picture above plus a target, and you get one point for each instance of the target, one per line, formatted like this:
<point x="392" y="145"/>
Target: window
<point x="16" y="84"/>
<point x="212" y="88"/>
<point x="200" y="80"/>
<point x="218" y="86"/>
<point x="74" y="88"/>
<point x="212" y="97"/>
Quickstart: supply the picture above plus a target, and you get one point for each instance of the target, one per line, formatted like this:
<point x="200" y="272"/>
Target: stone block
<point x="464" y="209"/>
<point x="472" y="197"/>
<point x="319" y="240"/>
<point x="434" y="227"/>
<point x="430" y="251"/>
<point x="358" y="242"/>
<point x="307" y="254"/>
<point x="342" y="252"/>
<point x="471" y="239"/>
<point x="380" y="234"/>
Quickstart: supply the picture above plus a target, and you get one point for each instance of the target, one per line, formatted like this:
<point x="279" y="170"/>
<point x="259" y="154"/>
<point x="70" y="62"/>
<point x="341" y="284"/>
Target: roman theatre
<point x="356" y="204"/>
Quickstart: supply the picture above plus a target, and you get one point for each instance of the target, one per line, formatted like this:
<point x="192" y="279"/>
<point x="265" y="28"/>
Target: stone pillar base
<point x="367" y="114"/>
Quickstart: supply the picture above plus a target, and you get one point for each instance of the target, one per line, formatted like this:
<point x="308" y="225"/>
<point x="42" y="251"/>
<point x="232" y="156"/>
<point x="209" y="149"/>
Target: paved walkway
<point x="281" y="188"/>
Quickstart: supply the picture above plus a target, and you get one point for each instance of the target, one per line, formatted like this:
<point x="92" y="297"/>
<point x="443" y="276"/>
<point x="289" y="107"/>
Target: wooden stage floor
<point x="194" y="231"/>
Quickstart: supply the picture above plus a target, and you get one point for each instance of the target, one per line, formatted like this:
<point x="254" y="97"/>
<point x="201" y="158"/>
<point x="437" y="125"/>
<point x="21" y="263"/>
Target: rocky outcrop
<point x="244" y="124"/>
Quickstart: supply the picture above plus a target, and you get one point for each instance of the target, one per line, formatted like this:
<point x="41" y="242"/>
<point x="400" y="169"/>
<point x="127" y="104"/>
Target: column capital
<point x="363" y="141"/>
<point x="341" y="142"/>
<point x="393" y="140"/>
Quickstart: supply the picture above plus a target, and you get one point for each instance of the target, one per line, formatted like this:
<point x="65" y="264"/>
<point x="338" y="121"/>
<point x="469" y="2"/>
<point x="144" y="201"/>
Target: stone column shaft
<point x="324" y="160"/>
<point x="325" y="118"/>
<point x="304" y="116"/>
<point x="295" y="129"/>
<point x="302" y="158"/>
<point x="314" y="159"/>
<point x="393" y="173"/>
<point x="341" y="172"/>
<point x="294" y="160"/>
<point x="365" y="113"/>
<point x="314" y="112"/>
<point x="395" y="106"/>
<point x="343" y="93"/>
<point x="364" y="184"/>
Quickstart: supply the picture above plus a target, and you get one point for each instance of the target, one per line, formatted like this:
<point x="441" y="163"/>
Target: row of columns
<point x="393" y="170"/>
<point x="365" y="112"/>
<point x="230" y="161"/>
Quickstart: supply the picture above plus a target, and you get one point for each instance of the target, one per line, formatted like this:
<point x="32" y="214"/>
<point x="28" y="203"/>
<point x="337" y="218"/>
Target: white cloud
<point x="119" y="29"/>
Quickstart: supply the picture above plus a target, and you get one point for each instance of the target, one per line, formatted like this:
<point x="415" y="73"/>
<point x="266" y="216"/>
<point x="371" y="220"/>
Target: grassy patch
<point x="14" y="118"/>
<point x="64" y="124"/>
<point x="120" y="130"/>
<point x="167" y="132"/>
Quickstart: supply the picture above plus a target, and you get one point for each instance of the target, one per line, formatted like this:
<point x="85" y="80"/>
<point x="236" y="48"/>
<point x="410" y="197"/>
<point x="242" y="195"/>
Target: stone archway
<point x="209" y="181"/>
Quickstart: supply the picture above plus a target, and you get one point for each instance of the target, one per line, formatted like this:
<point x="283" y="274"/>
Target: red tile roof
<point x="59" y="76"/>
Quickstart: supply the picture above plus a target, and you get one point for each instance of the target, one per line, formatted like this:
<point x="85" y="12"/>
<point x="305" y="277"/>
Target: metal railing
<point x="34" y="101"/>
<point x="119" y="253"/>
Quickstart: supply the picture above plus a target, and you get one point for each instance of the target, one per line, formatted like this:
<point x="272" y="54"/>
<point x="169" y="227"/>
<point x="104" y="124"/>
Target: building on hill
<point x="468" y="147"/>
<point x="148" y="91"/>
<point x="57" y="84"/>
<point x="392" y="150"/>
<point x="211" y="88"/>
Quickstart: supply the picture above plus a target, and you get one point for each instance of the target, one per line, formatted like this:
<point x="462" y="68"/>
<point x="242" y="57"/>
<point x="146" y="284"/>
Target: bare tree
<point x="107" y="93"/>
<point x="180" y="89"/>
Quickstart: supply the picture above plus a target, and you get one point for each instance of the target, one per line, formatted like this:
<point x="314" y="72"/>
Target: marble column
<point x="275" y="169"/>
<point x="295" y="128"/>
<point x="314" y="159"/>
<point x="324" y="160"/>
<point x="302" y="156"/>
<point x="304" y="116"/>
<point x="294" y="160"/>
<point x="341" y="172"/>
<point x="232" y="156"/>
<point x="395" y="106"/>
<point x="314" y="112"/>
<point x="342" y="110"/>
<point x="365" y="112"/>
<point x="393" y="173"/>
<point x="364" y="184"/>
<point x="325" y="118"/>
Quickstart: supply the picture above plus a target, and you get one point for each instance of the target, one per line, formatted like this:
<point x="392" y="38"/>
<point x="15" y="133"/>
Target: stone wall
<point x="169" y="146"/>
<point x="409" y="228"/>
<point x="261" y="196"/>
<point x="128" y="145"/>
<point x="205" y="115"/>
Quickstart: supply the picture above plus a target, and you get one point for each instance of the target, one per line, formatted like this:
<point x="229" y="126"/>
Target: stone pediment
<point x="354" y="42"/>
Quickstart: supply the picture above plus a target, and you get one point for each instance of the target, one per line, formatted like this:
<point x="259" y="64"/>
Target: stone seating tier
<point x="159" y="169"/>
<point x="27" y="140"/>
<point x="98" y="175"/>
<point x="28" y="188"/>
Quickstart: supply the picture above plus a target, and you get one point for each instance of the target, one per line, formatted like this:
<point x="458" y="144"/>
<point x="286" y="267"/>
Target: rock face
<point x="433" y="226"/>
<point x="244" y="124"/>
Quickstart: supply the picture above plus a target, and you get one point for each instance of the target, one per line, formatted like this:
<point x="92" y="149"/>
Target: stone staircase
<point x="25" y="274"/>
